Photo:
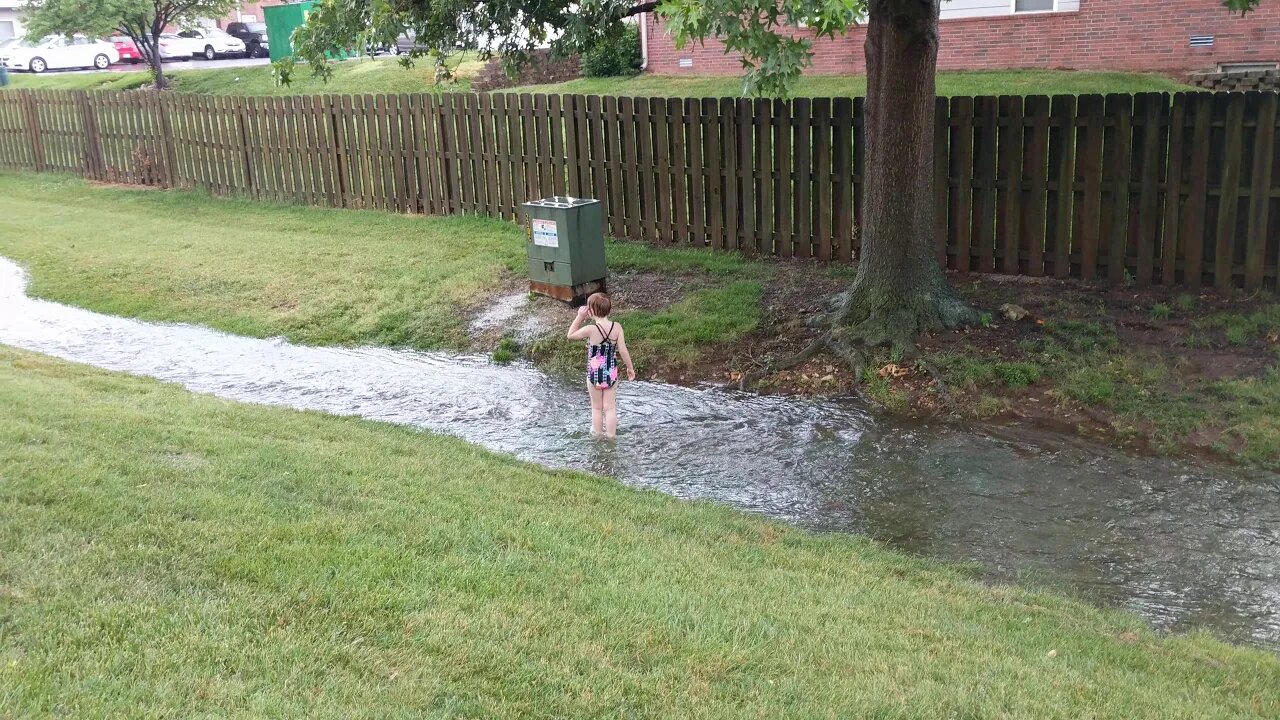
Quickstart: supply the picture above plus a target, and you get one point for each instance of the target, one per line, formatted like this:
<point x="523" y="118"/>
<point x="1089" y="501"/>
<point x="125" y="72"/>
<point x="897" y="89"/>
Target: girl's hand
<point x="631" y="373"/>
<point x="582" y="312"/>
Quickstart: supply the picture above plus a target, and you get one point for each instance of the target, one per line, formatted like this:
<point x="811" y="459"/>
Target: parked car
<point x="128" y="50"/>
<point x="57" y="52"/>
<point x="253" y="35"/>
<point x="214" y="42"/>
<point x="173" y="47"/>
<point x="407" y="43"/>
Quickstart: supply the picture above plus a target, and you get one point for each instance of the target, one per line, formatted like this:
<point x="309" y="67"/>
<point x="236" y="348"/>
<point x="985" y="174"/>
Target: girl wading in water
<point x="605" y="342"/>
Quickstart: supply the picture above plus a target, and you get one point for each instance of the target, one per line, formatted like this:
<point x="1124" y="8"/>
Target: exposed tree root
<point x="858" y="322"/>
<point x="804" y="355"/>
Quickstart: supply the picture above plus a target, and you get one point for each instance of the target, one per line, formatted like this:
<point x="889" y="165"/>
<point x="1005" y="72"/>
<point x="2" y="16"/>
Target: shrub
<point x="615" y="54"/>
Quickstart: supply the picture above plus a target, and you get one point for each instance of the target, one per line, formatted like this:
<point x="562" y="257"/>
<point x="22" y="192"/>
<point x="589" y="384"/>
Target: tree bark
<point x="899" y="290"/>
<point x="153" y="53"/>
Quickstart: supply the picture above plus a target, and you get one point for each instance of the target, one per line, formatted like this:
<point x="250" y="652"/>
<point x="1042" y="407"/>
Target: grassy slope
<point x="314" y="275"/>
<point x="356" y="76"/>
<point x="385" y="75"/>
<point x="167" y="554"/>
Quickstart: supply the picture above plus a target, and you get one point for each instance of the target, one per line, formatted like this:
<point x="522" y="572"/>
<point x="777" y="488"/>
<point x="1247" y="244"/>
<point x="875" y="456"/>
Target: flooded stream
<point x="1186" y="547"/>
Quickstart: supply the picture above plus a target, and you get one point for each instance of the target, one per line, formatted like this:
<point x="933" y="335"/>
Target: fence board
<point x="1036" y="165"/>
<point x="662" y="164"/>
<point x="1150" y="107"/>
<point x="1148" y="185"/>
<point x="1228" y="189"/>
<point x="1062" y="158"/>
<point x="962" y="116"/>
<point x="822" y="179"/>
<point x="1264" y="147"/>
<point x="731" y="173"/>
<point x="763" y="129"/>
<point x="744" y="179"/>
<point x="986" y="120"/>
<point x="559" y="160"/>
<point x="715" y="177"/>
<point x="784" y="189"/>
<point x="1193" y="216"/>
<point x="646" y="187"/>
<point x="679" y="168"/>
<point x="613" y="135"/>
<point x="802" y="177"/>
<point x="1087" y="220"/>
<point x="1117" y="173"/>
<point x="696" y="177"/>
<point x="1009" y="166"/>
<point x="1170" y="227"/>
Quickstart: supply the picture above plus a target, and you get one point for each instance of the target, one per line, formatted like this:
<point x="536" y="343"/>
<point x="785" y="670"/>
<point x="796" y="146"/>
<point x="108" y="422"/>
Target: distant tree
<point x="142" y="21"/>
<point x="899" y="290"/>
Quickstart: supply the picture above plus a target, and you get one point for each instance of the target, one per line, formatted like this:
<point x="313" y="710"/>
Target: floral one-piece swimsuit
<point x="602" y="362"/>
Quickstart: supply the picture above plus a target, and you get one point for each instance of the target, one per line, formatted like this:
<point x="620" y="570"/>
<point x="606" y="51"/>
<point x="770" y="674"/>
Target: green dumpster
<point x="566" y="248"/>
<point x="281" y="21"/>
<point x="4" y="76"/>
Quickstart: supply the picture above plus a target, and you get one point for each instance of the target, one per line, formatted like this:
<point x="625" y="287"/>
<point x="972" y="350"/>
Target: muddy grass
<point x="1155" y="368"/>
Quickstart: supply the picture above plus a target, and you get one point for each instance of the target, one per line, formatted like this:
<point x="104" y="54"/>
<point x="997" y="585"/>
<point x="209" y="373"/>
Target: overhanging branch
<point x="642" y="8"/>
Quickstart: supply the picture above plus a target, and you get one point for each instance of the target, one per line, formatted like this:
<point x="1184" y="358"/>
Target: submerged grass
<point x="170" y="554"/>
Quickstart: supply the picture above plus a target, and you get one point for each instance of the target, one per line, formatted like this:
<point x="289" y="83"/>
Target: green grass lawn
<point x="311" y="275"/>
<point x="380" y="75"/>
<point x="1011" y="82"/>
<point x="319" y="276"/>
<point x="386" y="75"/>
<point x="164" y="554"/>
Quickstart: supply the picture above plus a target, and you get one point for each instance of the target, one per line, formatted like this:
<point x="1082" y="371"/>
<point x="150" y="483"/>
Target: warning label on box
<point x="545" y="234"/>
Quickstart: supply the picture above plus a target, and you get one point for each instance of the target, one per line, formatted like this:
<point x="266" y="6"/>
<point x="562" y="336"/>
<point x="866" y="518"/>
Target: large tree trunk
<point x="151" y="52"/>
<point x="899" y="290"/>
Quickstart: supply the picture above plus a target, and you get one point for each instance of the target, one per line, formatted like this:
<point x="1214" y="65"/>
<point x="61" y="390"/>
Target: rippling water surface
<point x="1186" y="547"/>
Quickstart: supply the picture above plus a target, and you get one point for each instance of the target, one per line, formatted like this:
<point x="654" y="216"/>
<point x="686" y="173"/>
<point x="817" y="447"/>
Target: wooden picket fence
<point x="1181" y="189"/>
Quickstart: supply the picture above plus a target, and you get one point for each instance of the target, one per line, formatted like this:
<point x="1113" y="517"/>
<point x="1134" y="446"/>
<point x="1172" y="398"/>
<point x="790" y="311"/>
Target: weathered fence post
<point x="32" y="110"/>
<point x="91" y="145"/>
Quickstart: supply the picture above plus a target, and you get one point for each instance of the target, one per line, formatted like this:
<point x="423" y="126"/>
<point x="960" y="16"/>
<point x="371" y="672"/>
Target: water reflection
<point x="1184" y="546"/>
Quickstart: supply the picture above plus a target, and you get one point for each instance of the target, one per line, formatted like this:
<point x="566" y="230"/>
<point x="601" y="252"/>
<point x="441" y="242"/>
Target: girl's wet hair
<point x="599" y="305"/>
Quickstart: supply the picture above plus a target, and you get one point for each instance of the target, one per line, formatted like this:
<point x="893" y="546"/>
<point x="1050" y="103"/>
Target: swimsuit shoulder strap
<point x="609" y="336"/>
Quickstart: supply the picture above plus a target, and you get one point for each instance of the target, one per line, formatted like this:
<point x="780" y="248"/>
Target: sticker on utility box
<point x="545" y="233"/>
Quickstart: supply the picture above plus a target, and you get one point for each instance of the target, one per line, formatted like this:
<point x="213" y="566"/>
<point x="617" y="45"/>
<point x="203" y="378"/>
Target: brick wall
<point x="1132" y="35"/>
<point x="541" y="70"/>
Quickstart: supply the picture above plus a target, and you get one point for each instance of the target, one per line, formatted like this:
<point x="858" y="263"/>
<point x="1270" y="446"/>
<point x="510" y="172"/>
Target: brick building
<point x="1133" y="35"/>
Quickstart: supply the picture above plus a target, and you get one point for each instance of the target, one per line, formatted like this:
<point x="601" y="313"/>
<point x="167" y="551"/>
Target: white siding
<point x="953" y="9"/>
<point x="11" y="16"/>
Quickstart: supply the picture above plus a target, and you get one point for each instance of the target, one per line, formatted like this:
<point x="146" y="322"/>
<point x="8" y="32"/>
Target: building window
<point x="1034" y="5"/>
<point x="6" y="29"/>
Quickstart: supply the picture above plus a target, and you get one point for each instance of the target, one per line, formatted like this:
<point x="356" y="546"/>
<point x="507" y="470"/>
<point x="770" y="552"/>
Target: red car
<point x="128" y="51"/>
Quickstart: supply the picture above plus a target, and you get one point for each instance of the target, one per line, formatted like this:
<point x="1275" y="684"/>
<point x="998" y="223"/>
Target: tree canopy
<point x="766" y="33"/>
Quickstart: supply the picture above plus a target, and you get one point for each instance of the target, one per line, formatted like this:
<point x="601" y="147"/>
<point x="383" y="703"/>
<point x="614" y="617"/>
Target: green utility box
<point x="281" y="21"/>
<point x="566" y="248"/>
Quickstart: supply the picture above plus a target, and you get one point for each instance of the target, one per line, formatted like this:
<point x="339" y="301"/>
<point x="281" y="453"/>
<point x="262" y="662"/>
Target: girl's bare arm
<point x="626" y="356"/>
<point x="576" y="331"/>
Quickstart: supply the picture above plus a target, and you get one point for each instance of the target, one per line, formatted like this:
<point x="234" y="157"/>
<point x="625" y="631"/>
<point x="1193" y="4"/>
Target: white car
<point x="57" y="52"/>
<point x="213" y="42"/>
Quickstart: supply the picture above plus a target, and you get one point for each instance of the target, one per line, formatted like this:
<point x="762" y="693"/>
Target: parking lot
<point x="178" y="65"/>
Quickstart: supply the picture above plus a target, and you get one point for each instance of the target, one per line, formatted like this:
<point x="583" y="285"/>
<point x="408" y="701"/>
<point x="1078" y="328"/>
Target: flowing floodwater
<point x="1185" y="546"/>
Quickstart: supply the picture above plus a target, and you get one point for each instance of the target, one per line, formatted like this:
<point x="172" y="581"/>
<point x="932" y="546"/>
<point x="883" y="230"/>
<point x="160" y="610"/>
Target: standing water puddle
<point x="1186" y="547"/>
